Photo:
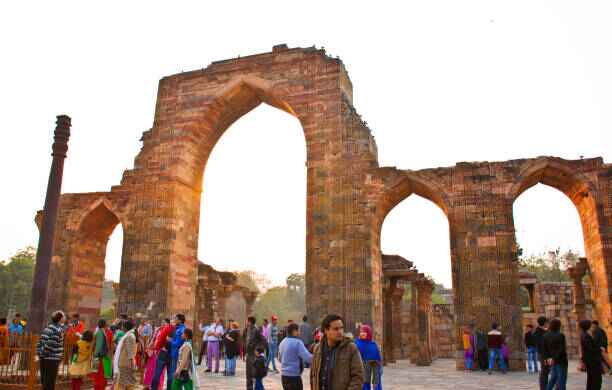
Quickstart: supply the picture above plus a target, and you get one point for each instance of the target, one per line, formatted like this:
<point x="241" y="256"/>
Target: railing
<point x="19" y="366"/>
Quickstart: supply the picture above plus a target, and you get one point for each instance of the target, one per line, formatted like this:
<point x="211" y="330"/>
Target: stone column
<point x="250" y="302"/>
<point x="393" y="321"/>
<point x="414" y="327"/>
<point x="425" y="288"/>
<point x="485" y="267"/>
<point x="576" y="273"/>
<point x="387" y="323"/>
<point x="40" y="285"/>
<point x="396" y="323"/>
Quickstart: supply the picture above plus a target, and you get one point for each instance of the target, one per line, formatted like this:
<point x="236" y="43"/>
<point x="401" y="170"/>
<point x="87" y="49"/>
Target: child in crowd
<point x="259" y="368"/>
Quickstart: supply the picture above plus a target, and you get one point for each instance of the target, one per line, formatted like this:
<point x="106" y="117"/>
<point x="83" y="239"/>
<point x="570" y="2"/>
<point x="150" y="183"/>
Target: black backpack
<point x="259" y="367"/>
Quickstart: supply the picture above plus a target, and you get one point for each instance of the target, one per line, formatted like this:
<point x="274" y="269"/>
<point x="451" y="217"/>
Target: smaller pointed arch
<point x="554" y="173"/>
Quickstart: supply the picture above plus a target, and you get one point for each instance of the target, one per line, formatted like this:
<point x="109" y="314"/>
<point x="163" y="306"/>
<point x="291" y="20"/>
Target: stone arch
<point x="102" y="203"/>
<point x="553" y="173"/>
<point x="410" y="183"/>
<point x="194" y="109"/>
<point x="582" y="193"/>
<point x="230" y="102"/>
<point x="85" y="266"/>
<point x="403" y="187"/>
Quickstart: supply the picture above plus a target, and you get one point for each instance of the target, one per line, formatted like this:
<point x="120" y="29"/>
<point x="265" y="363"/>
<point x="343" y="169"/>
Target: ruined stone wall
<point x="477" y="199"/>
<point x="554" y="300"/>
<point x="443" y="328"/>
<point x="219" y="296"/>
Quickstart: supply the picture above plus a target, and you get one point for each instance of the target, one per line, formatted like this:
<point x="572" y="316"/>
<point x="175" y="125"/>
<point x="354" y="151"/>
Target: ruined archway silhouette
<point x="253" y="203"/>
<point x="348" y="195"/>
<point x="581" y="192"/>
<point x="86" y="269"/>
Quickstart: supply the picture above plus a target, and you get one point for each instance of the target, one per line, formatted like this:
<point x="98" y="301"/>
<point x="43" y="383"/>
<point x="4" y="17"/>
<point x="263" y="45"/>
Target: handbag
<point x="184" y="375"/>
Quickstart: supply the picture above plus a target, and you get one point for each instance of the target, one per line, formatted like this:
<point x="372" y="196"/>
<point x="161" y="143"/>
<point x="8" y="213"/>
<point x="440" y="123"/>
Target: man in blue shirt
<point x="16" y="329"/>
<point x="293" y="354"/>
<point x="272" y="343"/>
<point x="175" y="344"/>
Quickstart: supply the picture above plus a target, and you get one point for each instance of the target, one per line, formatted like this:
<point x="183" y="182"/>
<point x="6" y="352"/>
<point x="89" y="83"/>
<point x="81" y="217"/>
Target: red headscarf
<point x="367" y="330"/>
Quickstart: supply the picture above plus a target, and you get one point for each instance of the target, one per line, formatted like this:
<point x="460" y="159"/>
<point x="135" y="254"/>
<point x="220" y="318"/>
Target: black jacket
<point x="538" y="338"/>
<point x="591" y="352"/>
<point x="554" y="347"/>
<point x="530" y="339"/>
<point x="254" y="339"/>
<point x="231" y="347"/>
<point x="601" y="339"/>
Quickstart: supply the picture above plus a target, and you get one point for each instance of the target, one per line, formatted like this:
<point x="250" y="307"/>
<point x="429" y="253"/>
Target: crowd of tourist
<point x="126" y="354"/>
<point x="546" y="352"/>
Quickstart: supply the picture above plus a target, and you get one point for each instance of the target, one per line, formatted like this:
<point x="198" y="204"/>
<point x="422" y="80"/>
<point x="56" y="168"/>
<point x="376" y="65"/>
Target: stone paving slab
<point x="405" y="376"/>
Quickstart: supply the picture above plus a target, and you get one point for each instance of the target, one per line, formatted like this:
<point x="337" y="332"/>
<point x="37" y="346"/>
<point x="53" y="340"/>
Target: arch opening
<point x="237" y="99"/>
<point x="401" y="230"/>
<point x="248" y="214"/>
<point x="419" y="231"/>
<point x="579" y="191"/>
<point x="563" y="243"/>
<point x="89" y="264"/>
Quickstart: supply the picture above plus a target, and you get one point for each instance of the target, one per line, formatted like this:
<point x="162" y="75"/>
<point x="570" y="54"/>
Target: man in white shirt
<point x="204" y="329"/>
<point x="213" y="349"/>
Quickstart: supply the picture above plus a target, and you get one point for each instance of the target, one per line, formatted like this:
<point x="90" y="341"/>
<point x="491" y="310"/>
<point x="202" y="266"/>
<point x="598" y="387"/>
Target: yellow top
<point x="85" y="349"/>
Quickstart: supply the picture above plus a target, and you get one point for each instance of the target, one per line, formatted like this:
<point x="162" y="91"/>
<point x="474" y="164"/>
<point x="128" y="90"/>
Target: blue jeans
<point x="558" y="376"/>
<point x="532" y="359"/>
<point x="259" y="384"/>
<point x="172" y="369"/>
<point x="496" y="353"/>
<point x="372" y="376"/>
<point x="272" y="348"/>
<point x="230" y="366"/>
<point x="161" y="363"/>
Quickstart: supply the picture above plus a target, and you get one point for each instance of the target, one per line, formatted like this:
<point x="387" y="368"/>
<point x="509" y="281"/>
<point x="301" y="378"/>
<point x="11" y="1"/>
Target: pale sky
<point x="437" y="81"/>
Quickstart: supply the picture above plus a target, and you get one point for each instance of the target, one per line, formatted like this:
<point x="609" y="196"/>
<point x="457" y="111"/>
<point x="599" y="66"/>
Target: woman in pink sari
<point x="151" y="360"/>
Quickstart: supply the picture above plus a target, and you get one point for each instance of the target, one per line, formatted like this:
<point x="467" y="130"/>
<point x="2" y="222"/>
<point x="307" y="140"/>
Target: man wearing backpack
<point x="253" y="340"/>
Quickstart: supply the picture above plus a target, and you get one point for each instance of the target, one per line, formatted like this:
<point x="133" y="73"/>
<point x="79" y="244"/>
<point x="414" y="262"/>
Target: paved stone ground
<point x="404" y="376"/>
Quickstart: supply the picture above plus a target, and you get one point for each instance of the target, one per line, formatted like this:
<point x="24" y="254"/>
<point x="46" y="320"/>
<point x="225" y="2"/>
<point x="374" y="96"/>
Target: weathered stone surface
<point x="348" y="198"/>
<point x="220" y="296"/>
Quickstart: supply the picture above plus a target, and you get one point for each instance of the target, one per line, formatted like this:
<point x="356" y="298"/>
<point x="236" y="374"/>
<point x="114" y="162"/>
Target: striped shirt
<point x="51" y="343"/>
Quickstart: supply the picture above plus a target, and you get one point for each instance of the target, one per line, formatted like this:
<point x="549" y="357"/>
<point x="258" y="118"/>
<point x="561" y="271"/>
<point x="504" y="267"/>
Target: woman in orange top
<point x="468" y="348"/>
<point x="4" y="341"/>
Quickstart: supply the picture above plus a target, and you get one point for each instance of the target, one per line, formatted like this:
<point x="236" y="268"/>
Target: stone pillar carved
<point x="388" y="329"/>
<point x="393" y="321"/>
<point x="396" y="323"/>
<point x="250" y="301"/>
<point x="577" y="273"/>
<point x="425" y="288"/>
<point x="414" y="327"/>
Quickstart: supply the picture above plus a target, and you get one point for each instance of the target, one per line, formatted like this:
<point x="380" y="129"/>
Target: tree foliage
<point x="16" y="275"/>
<point x="550" y="266"/>
<point x="286" y="302"/>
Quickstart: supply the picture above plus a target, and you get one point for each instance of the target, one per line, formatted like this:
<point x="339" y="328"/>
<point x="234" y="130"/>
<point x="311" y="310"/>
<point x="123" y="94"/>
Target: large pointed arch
<point x="86" y="264"/>
<point x="229" y="103"/>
